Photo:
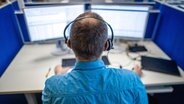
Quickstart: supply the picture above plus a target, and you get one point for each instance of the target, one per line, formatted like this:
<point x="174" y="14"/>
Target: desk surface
<point x="26" y="73"/>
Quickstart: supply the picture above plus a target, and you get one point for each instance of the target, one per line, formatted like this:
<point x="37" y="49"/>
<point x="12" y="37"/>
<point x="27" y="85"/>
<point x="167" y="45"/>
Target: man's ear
<point x="69" y="43"/>
<point x="106" y="46"/>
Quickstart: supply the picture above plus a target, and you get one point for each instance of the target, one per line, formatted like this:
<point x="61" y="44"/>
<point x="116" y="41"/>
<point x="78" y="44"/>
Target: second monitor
<point x="128" y="22"/>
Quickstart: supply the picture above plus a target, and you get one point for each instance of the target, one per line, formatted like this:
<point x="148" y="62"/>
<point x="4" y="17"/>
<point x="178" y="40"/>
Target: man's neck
<point x="83" y="59"/>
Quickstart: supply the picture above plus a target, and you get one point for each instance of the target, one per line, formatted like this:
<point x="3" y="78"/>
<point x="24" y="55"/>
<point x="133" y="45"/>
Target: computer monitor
<point x="48" y="22"/>
<point x="128" y="22"/>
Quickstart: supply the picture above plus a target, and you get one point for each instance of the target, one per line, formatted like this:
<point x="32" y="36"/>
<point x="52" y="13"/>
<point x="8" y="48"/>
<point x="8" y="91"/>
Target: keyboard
<point x="159" y="65"/>
<point x="69" y="62"/>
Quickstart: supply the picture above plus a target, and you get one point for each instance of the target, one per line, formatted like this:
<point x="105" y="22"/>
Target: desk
<point x="26" y="73"/>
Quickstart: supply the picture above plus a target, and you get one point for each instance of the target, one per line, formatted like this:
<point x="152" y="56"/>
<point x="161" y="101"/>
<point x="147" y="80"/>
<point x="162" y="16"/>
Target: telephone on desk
<point x="137" y="48"/>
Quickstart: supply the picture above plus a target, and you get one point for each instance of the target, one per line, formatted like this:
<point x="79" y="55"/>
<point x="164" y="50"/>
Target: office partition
<point x="10" y="39"/>
<point x="170" y="33"/>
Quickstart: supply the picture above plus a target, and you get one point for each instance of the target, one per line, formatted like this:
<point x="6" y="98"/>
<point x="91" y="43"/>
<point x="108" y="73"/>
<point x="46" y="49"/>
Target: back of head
<point x="88" y="36"/>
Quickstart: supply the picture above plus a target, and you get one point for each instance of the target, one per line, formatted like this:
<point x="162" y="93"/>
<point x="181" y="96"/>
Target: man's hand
<point x="137" y="69"/>
<point x="60" y="70"/>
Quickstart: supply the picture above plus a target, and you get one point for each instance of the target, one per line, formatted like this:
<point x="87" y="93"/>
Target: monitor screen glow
<point x="45" y="23"/>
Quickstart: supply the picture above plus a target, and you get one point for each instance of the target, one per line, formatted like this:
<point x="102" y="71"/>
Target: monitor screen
<point x="48" y="22"/>
<point x="127" y="21"/>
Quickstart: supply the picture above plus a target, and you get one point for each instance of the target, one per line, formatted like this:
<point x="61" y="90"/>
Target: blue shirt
<point x="94" y="83"/>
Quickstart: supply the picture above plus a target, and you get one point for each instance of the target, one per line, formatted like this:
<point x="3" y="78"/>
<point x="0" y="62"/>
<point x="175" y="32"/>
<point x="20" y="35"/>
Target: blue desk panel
<point x="10" y="40"/>
<point x="170" y="33"/>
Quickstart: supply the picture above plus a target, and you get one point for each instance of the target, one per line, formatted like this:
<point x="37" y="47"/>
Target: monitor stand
<point x="61" y="49"/>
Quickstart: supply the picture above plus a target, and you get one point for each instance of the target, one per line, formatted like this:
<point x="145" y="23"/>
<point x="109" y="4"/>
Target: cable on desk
<point x="132" y="58"/>
<point x="128" y="63"/>
<point x="47" y="74"/>
<point x="118" y="64"/>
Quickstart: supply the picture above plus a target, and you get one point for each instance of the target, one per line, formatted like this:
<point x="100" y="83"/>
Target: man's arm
<point x="140" y="92"/>
<point x="46" y="94"/>
<point x="138" y="70"/>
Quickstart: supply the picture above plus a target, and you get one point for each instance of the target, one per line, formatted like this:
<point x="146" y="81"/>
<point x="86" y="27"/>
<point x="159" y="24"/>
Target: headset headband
<point x="78" y="19"/>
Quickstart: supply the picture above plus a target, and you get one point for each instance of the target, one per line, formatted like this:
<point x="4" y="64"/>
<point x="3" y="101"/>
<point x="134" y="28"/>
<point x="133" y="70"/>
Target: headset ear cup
<point x="109" y="44"/>
<point x="68" y="43"/>
<point x="66" y="40"/>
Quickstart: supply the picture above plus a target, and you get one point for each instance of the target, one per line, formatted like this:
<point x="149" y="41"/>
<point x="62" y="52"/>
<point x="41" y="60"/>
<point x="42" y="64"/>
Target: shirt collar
<point x="89" y="65"/>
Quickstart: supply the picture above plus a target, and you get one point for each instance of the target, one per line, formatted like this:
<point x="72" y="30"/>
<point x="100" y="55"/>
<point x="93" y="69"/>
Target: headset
<point x="110" y="41"/>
